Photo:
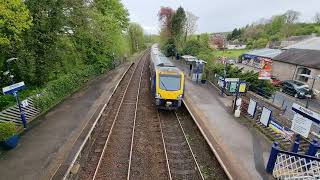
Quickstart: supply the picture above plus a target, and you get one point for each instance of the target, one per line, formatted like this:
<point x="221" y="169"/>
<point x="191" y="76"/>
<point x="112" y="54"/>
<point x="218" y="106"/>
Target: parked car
<point x="296" y="89"/>
<point x="275" y="82"/>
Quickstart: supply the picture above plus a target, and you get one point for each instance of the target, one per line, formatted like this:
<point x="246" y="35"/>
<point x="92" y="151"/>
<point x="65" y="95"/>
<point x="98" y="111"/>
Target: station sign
<point x="232" y="79"/>
<point x="307" y="113"/>
<point x="13" y="88"/>
<point x="302" y="120"/>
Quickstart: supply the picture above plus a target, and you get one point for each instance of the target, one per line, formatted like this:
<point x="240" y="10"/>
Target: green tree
<point x="177" y="26"/>
<point x="136" y="37"/>
<point x="14" y="19"/>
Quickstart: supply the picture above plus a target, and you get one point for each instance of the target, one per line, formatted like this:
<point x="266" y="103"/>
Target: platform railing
<point x="286" y="165"/>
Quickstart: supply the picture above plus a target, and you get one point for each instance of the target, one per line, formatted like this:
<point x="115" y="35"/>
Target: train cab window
<point x="169" y="82"/>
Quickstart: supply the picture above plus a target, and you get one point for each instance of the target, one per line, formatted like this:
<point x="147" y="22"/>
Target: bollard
<point x="272" y="158"/>
<point x="313" y="148"/>
<point x="296" y="144"/>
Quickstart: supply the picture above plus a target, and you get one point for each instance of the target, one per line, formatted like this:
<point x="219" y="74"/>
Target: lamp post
<point x="314" y="79"/>
<point x="15" y="93"/>
<point x="224" y="76"/>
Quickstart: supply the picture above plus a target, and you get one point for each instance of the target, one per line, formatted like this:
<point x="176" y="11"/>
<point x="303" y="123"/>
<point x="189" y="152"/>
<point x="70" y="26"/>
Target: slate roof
<point x="303" y="57"/>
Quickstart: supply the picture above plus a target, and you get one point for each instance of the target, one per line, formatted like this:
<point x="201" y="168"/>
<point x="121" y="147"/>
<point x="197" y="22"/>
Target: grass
<point x="230" y="53"/>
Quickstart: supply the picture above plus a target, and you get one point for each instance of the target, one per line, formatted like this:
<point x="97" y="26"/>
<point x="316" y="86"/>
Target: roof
<point x="303" y="57"/>
<point x="311" y="44"/>
<point x="266" y="52"/>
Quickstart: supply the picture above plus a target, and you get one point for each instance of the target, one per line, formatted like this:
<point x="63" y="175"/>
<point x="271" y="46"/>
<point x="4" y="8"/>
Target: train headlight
<point x="157" y="96"/>
<point x="180" y="97"/>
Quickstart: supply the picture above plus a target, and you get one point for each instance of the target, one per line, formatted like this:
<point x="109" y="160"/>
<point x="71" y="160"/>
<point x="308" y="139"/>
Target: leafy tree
<point x="136" y="37"/>
<point x="14" y="20"/>
<point x="177" y="25"/>
<point x="192" y="47"/>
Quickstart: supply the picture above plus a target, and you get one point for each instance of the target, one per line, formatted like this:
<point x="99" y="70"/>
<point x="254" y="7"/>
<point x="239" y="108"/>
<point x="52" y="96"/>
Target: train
<point x="167" y="81"/>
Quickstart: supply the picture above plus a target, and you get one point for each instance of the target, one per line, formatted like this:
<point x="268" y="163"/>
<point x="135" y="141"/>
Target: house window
<point x="303" y="70"/>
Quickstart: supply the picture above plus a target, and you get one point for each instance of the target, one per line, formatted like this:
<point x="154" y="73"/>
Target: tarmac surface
<point x="244" y="151"/>
<point x="50" y="138"/>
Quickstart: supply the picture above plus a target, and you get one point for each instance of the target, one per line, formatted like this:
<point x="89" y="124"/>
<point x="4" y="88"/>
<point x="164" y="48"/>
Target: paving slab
<point x="45" y="145"/>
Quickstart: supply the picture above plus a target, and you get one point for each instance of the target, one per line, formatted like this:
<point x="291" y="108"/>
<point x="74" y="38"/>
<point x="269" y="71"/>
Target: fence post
<point x="296" y="144"/>
<point x="313" y="148"/>
<point x="272" y="158"/>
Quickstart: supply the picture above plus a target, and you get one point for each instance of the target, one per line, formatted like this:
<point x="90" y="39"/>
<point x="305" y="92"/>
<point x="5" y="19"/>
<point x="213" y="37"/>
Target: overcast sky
<point x="219" y="15"/>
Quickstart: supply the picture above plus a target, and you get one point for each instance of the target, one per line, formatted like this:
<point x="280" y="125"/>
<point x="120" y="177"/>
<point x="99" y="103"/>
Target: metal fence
<point x="286" y="165"/>
<point x="13" y="114"/>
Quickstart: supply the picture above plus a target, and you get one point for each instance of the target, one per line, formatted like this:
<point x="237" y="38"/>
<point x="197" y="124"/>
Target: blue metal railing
<point x="291" y="165"/>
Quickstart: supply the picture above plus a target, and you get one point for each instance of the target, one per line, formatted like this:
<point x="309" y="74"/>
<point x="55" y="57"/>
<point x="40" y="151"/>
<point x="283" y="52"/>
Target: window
<point x="169" y="82"/>
<point x="303" y="70"/>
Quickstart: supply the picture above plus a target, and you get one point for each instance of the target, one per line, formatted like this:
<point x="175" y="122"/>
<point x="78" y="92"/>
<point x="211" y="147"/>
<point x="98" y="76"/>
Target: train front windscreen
<point x="170" y="82"/>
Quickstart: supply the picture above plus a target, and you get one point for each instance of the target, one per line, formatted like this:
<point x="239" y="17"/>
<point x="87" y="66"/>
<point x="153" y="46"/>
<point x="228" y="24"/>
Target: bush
<point x="169" y="48"/>
<point x="7" y="130"/>
<point x="192" y="47"/>
<point x="65" y="85"/>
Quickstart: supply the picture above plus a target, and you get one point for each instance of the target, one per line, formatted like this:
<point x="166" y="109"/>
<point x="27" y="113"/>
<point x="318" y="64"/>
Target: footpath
<point x="241" y="147"/>
<point x="50" y="138"/>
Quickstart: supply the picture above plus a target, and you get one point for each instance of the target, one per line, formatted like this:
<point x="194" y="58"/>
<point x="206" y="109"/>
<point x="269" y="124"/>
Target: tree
<point x="177" y="25"/>
<point x="317" y="18"/>
<point x="190" y="25"/>
<point x="219" y="41"/>
<point x="136" y="37"/>
<point x="14" y="20"/>
<point x="165" y="16"/>
<point x="291" y="16"/>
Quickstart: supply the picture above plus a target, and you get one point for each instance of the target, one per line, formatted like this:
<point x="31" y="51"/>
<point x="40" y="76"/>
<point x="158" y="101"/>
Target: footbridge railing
<point x="287" y="165"/>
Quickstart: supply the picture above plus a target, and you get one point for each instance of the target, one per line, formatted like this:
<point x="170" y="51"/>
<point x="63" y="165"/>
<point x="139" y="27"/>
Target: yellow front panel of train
<point x="170" y="85"/>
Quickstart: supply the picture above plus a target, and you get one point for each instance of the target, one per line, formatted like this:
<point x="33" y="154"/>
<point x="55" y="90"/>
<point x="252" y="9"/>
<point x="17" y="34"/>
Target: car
<point x="296" y="89"/>
<point x="275" y="82"/>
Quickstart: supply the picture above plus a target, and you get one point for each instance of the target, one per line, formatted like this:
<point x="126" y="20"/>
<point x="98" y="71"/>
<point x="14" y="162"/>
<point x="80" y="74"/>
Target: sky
<point x="219" y="15"/>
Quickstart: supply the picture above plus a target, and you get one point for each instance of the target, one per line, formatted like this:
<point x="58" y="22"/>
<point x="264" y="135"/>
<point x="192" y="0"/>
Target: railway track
<point x="133" y="140"/>
<point x="148" y="159"/>
<point x="114" y="161"/>
<point x="181" y="161"/>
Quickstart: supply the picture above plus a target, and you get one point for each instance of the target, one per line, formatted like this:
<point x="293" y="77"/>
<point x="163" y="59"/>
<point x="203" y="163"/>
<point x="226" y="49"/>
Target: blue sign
<point x="13" y="88"/>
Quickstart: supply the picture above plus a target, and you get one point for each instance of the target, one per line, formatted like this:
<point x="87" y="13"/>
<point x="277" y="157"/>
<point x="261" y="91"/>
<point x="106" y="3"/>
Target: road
<point x="285" y="101"/>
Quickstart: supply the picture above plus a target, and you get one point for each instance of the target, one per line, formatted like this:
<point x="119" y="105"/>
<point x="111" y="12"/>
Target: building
<point x="235" y="45"/>
<point x="293" y="62"/>
<point x="257" y="58"/>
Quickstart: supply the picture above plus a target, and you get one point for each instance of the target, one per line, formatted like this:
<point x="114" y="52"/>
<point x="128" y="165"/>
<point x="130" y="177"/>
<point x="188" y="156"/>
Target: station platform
<point x="52" y="137"/>
<point x="242" y="149"/>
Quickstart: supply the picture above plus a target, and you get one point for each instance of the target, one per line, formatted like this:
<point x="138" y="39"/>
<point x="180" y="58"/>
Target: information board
<point x="252" y="107"/>
<point x="242" y="87"/>
<point x="265" y="116"/>
<point x="301" y="125"/>
<point x="233" y="87"/>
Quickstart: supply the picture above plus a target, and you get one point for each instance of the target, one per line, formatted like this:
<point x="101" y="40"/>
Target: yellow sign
<point x="242" y="87"/>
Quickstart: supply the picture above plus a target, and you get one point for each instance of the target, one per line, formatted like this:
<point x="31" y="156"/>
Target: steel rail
<point x="114" y="121"/>
<point x="164" y="146"/>
<point x="93" y="126"/>
<point x="185" y="136"/>
<point x="134" y="120"/>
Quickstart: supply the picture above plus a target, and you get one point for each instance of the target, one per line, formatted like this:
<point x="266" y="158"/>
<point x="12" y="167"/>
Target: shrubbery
<point x="7" y="130"/>
<point x="65" y="85"/>
<point x="261" y="87"/>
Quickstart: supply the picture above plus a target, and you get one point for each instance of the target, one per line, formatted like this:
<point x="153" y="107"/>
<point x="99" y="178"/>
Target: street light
<point x="15" y="93"/>
<point x="314" y="79"/>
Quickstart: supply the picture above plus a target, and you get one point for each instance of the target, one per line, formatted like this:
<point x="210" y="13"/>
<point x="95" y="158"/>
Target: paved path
<point x="46" y="144"/>
<point x="244" y="150"/>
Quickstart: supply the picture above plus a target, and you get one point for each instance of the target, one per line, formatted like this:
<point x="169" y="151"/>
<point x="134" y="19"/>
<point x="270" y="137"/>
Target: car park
<point x="296" y="89"/>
